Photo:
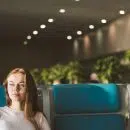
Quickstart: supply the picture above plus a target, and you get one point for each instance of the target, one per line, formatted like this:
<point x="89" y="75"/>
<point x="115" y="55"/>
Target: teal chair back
<point x="87" y="107"/>
<point x="2" y="96"/>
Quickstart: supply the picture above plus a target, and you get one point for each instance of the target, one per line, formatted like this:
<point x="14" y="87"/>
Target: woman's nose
<point x="16" y="87"/>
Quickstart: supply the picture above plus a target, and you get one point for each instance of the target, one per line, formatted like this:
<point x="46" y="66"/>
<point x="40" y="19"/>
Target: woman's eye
<point x="21" y="85"/>
<point x="11" y="84"/>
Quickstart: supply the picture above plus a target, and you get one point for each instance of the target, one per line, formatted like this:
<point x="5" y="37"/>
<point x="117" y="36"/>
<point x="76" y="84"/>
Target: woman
<point x="21" y="112"/>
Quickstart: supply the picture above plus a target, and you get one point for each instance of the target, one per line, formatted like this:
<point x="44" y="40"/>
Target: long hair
<point x="30" y="105"/>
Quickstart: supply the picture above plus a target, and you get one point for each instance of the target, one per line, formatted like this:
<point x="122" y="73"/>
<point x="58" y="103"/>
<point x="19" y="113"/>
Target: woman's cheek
<point x="23" y="96"/>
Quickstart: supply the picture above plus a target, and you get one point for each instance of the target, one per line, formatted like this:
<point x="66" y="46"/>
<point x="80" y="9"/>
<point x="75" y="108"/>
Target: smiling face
<point x="16" y="87"/>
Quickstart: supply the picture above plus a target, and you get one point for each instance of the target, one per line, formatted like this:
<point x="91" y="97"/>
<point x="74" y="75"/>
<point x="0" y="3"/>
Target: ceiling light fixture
<point x="42" y="26"/>
<point x="35" y="32"/>
<point x="121" y="12"/>
<point x="77" y="0"/>
<point x="25" y="43"/>
<point x="103" y="21"/>
<point x="62" y="11"/>
<point x="29" y="37"/>
<point x="79" y="32"/>
<point x="69" y="37"/>
<point x="91" y="26"/>
<point x="50" y="20"/>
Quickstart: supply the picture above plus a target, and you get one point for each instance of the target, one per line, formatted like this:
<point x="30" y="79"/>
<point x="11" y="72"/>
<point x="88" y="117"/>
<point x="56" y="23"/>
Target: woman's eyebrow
<point x="19" y="82"/>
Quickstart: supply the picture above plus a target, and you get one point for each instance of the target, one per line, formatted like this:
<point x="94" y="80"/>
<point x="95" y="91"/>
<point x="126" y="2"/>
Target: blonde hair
<point x="30" y="106"/>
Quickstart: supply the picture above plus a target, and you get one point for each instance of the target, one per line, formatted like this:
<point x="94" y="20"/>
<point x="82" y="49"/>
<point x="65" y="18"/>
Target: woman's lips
<point x="15" y="94"/>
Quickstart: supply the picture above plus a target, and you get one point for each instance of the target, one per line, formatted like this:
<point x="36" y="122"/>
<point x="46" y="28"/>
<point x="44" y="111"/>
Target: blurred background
<point x="51" y="35"/>
<point x="65" y="41"/>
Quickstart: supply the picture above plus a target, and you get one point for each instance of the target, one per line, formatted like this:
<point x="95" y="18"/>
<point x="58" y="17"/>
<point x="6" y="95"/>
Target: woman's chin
<point x="16" y="99"/>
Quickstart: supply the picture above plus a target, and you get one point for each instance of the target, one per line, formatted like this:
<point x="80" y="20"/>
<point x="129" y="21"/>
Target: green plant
<point x="45" y="73"/>
<point x="71" y="72"/>
<point x="57" y="72"/>
<point x="36" y="73"/>
<point x="74" y="71"/>
<point x="107" y="68"/>
<point x="125" y="61"/>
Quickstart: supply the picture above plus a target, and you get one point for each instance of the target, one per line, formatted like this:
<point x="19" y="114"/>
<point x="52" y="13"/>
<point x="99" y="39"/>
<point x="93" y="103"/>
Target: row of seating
<point x="86" y="106"/>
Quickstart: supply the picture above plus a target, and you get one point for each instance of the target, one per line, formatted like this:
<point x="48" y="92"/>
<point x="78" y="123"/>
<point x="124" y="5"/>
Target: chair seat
<point x="90" y="122"/>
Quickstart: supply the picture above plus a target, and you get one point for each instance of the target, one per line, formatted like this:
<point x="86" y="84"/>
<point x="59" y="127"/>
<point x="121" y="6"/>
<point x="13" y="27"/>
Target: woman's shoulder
<point x="39" y="116"/>
<point x="3" y="108"/>
<point x="42" y="121"/>
<point x="6" y="110"/>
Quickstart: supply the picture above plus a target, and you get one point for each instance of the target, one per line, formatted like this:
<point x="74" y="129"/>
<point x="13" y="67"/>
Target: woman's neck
<point x="16" y="106"/>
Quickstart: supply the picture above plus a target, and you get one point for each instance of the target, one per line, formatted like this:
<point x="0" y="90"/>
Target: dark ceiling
<point x="19" y="18"/>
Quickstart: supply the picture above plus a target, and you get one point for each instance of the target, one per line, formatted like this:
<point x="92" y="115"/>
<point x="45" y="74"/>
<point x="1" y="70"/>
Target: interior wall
<point x="112" y="38"/>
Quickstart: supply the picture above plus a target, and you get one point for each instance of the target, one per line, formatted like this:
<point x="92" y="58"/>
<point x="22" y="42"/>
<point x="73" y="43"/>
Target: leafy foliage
<point x="107" y="68"/>
<point x="70" y="72"/>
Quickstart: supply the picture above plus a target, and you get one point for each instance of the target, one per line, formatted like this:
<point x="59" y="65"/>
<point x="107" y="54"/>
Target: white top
<point x="13" y="120"/>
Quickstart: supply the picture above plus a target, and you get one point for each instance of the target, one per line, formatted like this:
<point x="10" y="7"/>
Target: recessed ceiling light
<point x="103" y="21"/>
<point x="29" y="37"/>
<point x="62" y="10"/>
<point x="69" y="37"/>
<point x="91" y="26"/>
<point x="42" y="26"/>
<point x="121" y="12"/>
<point x="77" y="0"/>
<point x="79" y="32"/>
<point x="50" y="20"/>
<point x="25" y="43"/>
<point x="35" y="32"/>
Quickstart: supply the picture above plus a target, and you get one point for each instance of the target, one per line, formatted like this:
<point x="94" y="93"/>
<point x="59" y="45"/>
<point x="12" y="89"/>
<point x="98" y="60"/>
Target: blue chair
<point x="87" y="107"/>
<point x="2" y="96"/>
